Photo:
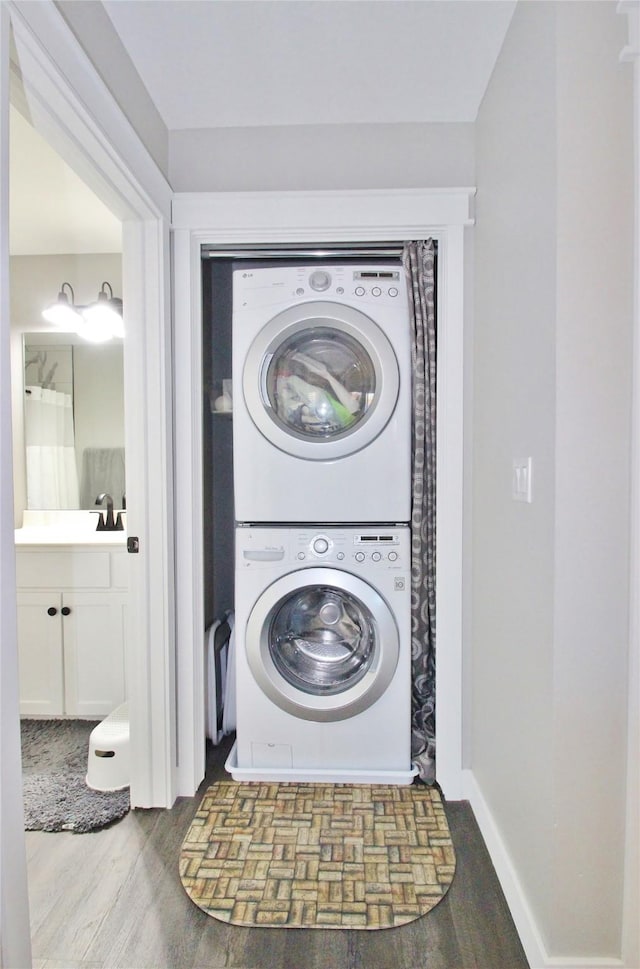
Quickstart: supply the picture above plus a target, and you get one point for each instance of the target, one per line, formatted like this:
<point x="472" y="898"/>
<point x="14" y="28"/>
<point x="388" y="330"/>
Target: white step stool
<point x="108" y="768"/>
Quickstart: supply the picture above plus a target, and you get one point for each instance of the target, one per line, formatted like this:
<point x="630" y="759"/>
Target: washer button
<point x="340" y="556"/>
<point x="359" y="290"/>
<point x="320" y="545"/>
<point x="376" y="291"/>
<point x="299" y="291"/>
<point x="393" y="556"/>
<point x="319" y="280"/>
<point x="376" y="557"/>
<point x="340" y="290"/>
<point x="301" y="555"/>
<point x="359" y="556"/>
<point x="393" y="291"/>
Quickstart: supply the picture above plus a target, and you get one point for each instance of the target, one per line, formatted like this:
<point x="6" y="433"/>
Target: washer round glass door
<point x="321" y="380"/>
<point x="322" y="644"/>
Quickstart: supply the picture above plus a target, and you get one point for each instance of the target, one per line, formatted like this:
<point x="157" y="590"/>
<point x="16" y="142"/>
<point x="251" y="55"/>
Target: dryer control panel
<point x="358" y="285"/>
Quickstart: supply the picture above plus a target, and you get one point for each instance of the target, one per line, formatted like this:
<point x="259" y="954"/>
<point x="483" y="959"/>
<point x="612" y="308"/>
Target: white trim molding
<point x="320" y="217"/>
<point x="631" y="904"/>
<point x="72" y="107"/>
<point x="355" y="216"/>
<point x="631" y="8"/>
<point x="15" y="944"/>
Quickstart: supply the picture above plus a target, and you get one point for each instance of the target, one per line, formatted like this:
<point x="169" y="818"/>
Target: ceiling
<point x="239" y="63"/>
<point x="51" y="210"/>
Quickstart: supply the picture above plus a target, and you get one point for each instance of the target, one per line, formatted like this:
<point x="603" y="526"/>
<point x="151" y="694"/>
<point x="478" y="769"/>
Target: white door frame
<point x="631" y="901"/>
<point x="15" y="944"/>
<point x="72" y="107"/>
<point x="228" y="219"/>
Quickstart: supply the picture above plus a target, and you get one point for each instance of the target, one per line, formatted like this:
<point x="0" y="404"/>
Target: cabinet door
<point x="40" y="653"/>
<point x="94" y="660"/>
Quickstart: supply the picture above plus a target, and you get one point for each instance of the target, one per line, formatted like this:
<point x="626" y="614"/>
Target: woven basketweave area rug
<point x="330" y="856"/>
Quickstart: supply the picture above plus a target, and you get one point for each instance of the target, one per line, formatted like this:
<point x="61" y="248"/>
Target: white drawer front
<point x="120" y="570"/>
<point x="63" y="570"/>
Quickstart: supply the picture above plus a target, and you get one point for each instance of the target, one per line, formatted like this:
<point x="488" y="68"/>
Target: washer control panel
<point x="359" y="549"/>
<point x="373" y="546"/>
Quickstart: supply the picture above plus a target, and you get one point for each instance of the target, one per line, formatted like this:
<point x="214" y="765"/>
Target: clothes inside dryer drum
<point x="322" y="640"/>
<point x="320" y="382"/>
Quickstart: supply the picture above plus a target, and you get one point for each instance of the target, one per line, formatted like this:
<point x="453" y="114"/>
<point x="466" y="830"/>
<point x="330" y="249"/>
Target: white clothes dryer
<point x="323" y="654"/>
<point x="322" y="394"/>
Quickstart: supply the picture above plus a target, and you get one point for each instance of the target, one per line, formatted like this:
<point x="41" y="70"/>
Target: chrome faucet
<point x="106" y="524"/>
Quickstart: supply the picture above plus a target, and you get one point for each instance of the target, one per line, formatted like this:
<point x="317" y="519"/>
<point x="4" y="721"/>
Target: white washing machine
<point x="323" y="654"/>
<point x="322" y="394"/>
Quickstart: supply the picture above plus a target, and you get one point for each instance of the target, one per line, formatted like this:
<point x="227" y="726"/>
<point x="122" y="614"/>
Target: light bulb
<point x="62" y="315"/>
<point x="97" y="324"/>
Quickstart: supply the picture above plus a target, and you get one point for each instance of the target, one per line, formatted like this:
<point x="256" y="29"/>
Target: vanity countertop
<point x="59" y="536"/>
<point x="64" y="528"/>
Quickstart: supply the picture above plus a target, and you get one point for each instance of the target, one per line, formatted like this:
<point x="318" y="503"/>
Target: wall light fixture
<point x="98" y="322"/>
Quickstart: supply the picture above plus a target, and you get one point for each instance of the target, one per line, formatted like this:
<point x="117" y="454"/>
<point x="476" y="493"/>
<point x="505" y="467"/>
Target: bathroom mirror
<point x="73" y="421"/>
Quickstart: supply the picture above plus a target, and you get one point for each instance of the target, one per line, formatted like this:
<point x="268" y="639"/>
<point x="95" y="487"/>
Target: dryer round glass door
<point x="321" y="380"/>
<point x="322" y="644"/>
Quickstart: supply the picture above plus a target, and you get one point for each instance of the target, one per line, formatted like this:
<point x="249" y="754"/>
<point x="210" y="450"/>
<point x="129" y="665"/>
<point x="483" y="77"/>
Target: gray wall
<point x="306" y="157"/>
<point x="552" y="379"/>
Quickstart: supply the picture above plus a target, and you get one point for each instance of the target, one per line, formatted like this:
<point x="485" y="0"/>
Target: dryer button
<point x="376" y="557"/>
<point x="359" y="556"/>
<point x="301" y="555"/>
<point x="393" y="291"/>
<point x="320" y="545"/>
<point x="393" y="556"/>
<point x="299" y="291"/>
<point x="359" y="290"/>
<point x="340" y="556"/>
<point x="376" y="291"/>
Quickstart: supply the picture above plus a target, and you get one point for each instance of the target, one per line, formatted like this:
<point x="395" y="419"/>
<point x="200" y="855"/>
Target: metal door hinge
<point x="133" y="544"/>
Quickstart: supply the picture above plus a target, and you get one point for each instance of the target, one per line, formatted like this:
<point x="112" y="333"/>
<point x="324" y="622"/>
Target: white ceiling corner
<point x="244" y="63"/>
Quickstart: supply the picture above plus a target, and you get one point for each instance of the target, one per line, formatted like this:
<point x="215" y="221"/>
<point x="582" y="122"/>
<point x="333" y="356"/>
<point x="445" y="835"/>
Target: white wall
<point x="514" y="400"/>
<point x="302" y="157"/>
<point x="593" y="394"/>
<point x="552" y="380"/>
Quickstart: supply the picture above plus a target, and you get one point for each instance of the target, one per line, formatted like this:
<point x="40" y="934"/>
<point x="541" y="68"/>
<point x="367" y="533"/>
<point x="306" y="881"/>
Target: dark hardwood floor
<point x="113" y="900"/>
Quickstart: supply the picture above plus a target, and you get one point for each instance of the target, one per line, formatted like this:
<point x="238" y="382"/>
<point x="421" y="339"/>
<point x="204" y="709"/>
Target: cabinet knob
<point x="66" y="611"/>
<point x="52" y="611"/>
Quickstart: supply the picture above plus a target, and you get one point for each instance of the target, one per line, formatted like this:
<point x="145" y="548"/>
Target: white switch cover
<point x="521" y="481"/>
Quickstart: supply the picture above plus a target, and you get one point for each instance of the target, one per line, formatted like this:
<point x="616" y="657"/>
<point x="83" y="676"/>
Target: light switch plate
<point x="521" y="489"/>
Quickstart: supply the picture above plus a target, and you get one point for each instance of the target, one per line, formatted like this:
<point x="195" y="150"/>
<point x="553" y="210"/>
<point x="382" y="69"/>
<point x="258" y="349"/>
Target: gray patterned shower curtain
<point x="419" y="264"/>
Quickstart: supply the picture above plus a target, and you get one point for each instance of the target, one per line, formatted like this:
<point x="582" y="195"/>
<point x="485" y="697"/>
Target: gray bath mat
<point x="54" y="767"/>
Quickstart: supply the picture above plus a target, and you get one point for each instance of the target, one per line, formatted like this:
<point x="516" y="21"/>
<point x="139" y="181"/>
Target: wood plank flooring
<point x="113" y="900"/>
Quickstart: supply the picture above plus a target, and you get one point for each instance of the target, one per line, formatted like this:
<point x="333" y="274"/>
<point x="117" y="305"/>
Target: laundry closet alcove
<point x="228" y="220"/>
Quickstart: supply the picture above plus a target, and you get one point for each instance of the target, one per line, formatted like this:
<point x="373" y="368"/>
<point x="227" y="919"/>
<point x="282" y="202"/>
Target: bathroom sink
<point x="64" y="528"/>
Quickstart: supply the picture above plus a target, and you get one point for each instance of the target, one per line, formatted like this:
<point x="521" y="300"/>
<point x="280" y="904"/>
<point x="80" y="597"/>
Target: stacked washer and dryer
<point x="322" y="485"/>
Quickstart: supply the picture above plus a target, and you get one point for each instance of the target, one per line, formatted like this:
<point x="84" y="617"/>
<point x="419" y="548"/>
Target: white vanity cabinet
<point x="71" y="629"/>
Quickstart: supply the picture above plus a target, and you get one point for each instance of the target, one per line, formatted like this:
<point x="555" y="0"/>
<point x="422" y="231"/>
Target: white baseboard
<point x="516" y="899"/>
